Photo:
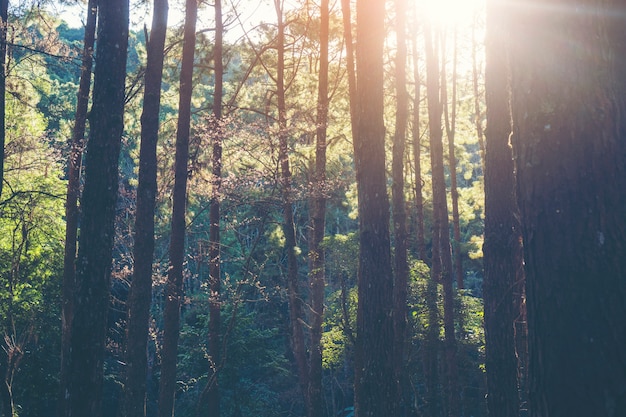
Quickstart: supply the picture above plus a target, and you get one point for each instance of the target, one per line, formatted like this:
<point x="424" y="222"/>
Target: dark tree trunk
<point x="401" y="263"/>
<point x="502" y="248"/>
<point x="174" y="285"/>
<point x="4" y="15"/>
<point x="318" y="220"/>
<point x="417" y="150"/>
<point x="374" y="377"/>
<point x="73" y="194"/>
<point x="289" y="228"/>
<point x="93" y="267"/>
<point x="441" y="234"/>
<point x="217" y="133"/>
<point x="140" y="296"/>
<point x="568" y="103"/>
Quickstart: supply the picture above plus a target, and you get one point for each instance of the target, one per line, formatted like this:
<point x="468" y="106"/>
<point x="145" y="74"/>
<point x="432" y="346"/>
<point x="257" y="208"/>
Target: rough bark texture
<point x="502" y="248"/>
<point x="568" y="101"/>
<point x="174" y="286"/>
<point x="4" y="13"/>
<point x="93" y="266"/>
<point x="401" y="264"/>
<point x="374" y="380"/>
<point x="318" y="219"/>
<point x="441" y="234"/>
<point x="140" y="296"/>
<point x="73" y="194"/>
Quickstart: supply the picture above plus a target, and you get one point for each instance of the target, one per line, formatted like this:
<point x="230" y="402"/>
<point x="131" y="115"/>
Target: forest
<point x="320" y="208"/>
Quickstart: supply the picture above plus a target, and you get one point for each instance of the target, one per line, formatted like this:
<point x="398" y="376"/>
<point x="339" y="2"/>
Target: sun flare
<point x="448" y="12"/>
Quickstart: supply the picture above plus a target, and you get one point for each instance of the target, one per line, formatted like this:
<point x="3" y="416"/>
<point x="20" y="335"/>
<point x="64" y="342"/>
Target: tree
<point x="4" y="22"/>
<point x="289" y="229"/>
<point x="174" y="286"/>
<point x="502" y="247"/>
<point x="442" y="257"/>
<point x="568" y="94"/>
<point x="374" y="387"/>
<point x="401" y="265"/>
<point x="317" y="274"/>
<point x="217" y="132"/>
<point x="93" y="268"/>
<point x="73" y="194"/>
<point x="140" y="296"/>
<point x="450" y="115"/>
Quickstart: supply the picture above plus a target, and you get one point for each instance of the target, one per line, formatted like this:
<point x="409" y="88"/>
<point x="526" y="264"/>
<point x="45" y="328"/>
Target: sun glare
<point x="448" y="12"/>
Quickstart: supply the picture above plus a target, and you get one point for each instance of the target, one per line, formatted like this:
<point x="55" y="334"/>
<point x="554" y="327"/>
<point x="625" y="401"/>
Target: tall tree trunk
<point x="140" y="296"/>
<point x="417" y="149"/>
<point x="502" y="248"/>
<point x="450" y="123"/>
<point x="318" y="219"/>
<point x="4" y="21"/>
<point x="441" y="234"/>
<point x="374" y="377"/>
<point x="289" y="229"/>
<point x="73" y="194"/>
<point x="93" y="267"/>
<point x="217" y="132"/>
<point x="569" y="138"/>
<point x="478" y="122"/>
<point x="346" y="14"/>
<point x="399" y="208"/>
<point x="174" y="286"/>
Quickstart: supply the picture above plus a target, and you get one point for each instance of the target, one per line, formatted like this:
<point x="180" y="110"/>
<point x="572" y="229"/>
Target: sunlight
<point x="448" y="12"/>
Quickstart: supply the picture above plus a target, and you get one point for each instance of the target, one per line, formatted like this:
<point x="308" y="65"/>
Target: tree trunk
<point x="350" y="66"/>
<point x="174" y="286"/>
<point x="502" y="248"/>
<point x="568" y="101"/>
<point x="217" y="132"/>
<point x="374" y="377"/>
<point x="450" y="123"/>
<point x="318" y="220"/>
<point x="289" y="229"/>
<point x="140" y="297"/>
<point x="399" y="209"/>
<point x="73" y="194"/>
<point x="93" y="268"/>
<point x="4" y="15"/>
<point x="441" y="234"/>
<point x="417" y="150"/>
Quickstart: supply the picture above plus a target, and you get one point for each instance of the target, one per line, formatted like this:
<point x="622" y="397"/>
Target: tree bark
<point x="318" y="219"/>
<point x="502" y="248"/>
<point x="140" y="297"/>
<point x="417" y="149"/>
<point x="174" y="285"/>
<point x="93" y="268"/>
<point x="73" y="194"/>
<point x="441" y="234"/>
<point x="401" y="263"/>
<point x="215" y="346"/>
<point x="569" y="138"/>
<point x="4" y="21"/>
<point x="374" y="377"/>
